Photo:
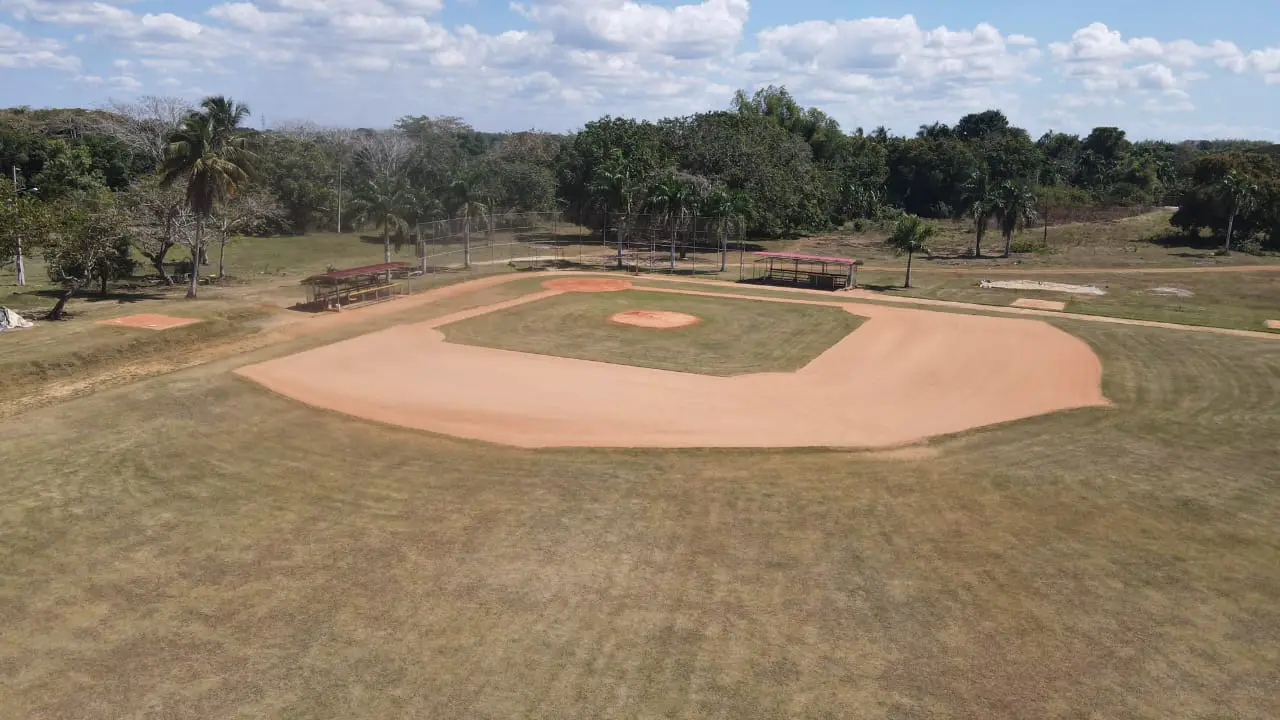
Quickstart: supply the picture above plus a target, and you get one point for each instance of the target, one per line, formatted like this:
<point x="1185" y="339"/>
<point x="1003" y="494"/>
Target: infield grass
<point x="733" y="337"/>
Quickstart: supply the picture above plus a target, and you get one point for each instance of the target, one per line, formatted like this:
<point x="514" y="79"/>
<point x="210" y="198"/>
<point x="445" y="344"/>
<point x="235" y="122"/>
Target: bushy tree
<point x="88" y="243"/>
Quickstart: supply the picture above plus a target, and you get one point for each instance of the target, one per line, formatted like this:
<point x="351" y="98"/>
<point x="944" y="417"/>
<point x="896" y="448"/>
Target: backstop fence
<point x="685" y="245"/>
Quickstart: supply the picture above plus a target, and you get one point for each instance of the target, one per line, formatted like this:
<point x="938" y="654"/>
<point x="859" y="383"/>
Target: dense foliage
<point x="764" y="166"/>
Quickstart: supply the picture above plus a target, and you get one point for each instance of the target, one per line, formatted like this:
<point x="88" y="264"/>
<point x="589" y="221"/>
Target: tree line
<point x="765" y="165"/>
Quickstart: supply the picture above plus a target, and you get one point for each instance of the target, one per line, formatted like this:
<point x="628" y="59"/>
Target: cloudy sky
<point x="1159" y="68"/>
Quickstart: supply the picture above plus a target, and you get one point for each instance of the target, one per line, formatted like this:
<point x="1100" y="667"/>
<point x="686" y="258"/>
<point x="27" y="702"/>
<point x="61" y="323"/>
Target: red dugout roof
<point x="357" y="272"/>
<point x="809" y="258"/>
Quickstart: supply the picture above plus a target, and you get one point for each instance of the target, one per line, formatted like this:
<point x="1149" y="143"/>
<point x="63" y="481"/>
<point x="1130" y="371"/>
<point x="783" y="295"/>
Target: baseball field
<point x="572" y="495"/>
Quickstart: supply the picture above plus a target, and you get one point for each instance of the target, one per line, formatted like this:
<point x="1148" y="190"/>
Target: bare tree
<point x="383" y="154"/>
<point x="146" y="124"/>
<point x="159" y="218"/>
<point x="242" y="214"/>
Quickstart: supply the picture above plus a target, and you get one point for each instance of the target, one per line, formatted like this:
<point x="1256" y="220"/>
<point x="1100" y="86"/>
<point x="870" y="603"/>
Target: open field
<point x="1141" y="241"/>
<point x="1243" y="300"/>
<point x="219" y="551"/>
<point x="732" y="338"/>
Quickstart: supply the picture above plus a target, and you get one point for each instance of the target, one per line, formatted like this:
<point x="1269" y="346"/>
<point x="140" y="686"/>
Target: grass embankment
<point x="733" y="337"/>
<point x="195" y="546"/>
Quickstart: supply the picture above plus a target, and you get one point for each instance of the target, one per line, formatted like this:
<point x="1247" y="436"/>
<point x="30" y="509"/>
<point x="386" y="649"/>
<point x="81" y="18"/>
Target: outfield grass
<point x="1241" y="300"/>
<point x="194" y="546"/>
<point x="734" y="337"/>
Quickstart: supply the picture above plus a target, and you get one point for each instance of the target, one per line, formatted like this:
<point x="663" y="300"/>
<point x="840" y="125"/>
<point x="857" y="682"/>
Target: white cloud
<point x="18" y="50"/>
<point x="127" y="83"/>
<point x="685" y="31"/>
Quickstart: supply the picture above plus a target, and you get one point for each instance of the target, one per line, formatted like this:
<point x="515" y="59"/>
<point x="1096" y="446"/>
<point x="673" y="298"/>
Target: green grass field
<point x="193" y="546"/>
<point x="734" y="337"/>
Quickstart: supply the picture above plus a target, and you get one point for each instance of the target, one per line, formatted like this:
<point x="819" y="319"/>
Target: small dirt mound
<point x="1039" y="304"/>
<point x="1174" y="291"/>
<point x="587" y="284"/>
<point x="149" y="321"/>
<point x="1273" y="324"/>
<point x="660" y="319"/>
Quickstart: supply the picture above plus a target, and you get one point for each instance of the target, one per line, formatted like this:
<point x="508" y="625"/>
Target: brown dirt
<point x="904" y="376"/>
<point x="587" y="284"/>
<point x="1039" y="304"/>
<point x="149" y="321"/>
<point x="658" y="319"/>
<point x="1273" y="324"/>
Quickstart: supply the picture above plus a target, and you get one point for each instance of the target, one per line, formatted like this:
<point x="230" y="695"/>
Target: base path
<point x="903" y="376"/>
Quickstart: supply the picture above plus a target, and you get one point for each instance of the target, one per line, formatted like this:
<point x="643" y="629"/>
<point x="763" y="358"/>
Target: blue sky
<point x="1168" y="69"/>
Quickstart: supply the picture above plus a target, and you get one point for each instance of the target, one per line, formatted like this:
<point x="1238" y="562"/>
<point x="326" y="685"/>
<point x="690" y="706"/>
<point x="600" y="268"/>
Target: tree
<point x="1015" y="208"/>
<point x="246" y="213"/>
<point x="979" y="202"/>
<point x="463" y="199"/>
<point x="159" y="218"/>
<point x="22" y="218"/>
<point x="388" y="202"/>
<point x="911" y="235"/>
<point x="211" y="154"/>
<point x="145" y="125"/>
<point x="89" y="242"/>
<point x="614" y="192"/>
<point x="1241" y="194"/>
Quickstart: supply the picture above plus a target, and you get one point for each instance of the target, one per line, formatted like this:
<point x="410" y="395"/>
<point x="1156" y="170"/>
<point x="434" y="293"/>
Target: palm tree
<point x="211" y="154"/>
<point x="978" y="201"/>
<point x="911" y="235"/>
<point x="388" y="202"/>
<point x="718" y="206"/>
<point x="613" y="191"/>
<point x="1015" y="208"/>
<point x="1241" y="194"/>
<point x="673" y="198"/>
<point x="463" y="199"/>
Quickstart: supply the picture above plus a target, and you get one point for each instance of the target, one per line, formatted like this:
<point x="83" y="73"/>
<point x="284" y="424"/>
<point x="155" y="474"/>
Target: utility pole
<point x="339" y="194"/>
<point x="21" y="268"/>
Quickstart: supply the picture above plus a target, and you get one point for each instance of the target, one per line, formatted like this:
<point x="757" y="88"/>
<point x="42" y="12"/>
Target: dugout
<point x="337" y="289"/>
<point x="811" y="271"/>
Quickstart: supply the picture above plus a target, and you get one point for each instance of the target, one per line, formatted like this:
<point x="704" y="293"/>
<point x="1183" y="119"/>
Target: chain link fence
<point x="633" y="243"/>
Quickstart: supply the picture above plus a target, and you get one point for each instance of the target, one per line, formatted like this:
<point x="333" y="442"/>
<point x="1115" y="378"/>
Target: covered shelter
<point x="813" y="271"/>
<point x="339" y="288"/>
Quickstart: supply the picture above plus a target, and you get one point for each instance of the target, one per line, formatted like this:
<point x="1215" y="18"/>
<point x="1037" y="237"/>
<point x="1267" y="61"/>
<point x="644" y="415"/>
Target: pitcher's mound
<point x="149" y="321"/>
<point x="654" y="319"/>
<point x="1039" y="304"/>
<point x="1273" y="324"/>
<point x="587" y="284"/>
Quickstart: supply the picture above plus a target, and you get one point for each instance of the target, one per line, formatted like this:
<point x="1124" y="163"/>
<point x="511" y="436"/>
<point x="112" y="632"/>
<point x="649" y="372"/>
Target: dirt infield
<point x="905" y="375"/>
<point x="1040" y="304"/>
<point x="572" y="284"/>
<point x="149" y="321"/>
<point x="657" y="319"/>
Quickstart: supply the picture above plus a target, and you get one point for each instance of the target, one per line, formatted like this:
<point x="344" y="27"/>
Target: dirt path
<point x="903" y="376"/>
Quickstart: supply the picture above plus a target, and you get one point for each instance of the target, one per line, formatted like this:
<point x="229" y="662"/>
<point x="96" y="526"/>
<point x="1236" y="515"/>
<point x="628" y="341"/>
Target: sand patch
<point x="1273" y="324"/>
<point x="904" y="454"/>
<point x="1174" y="291"/>
<point x="1039" y="304"/>
<point x="1041" y="285"/>
<point x="659" y="319"/>
<point x="587" y="284"/>
<point x="149" y="321"/>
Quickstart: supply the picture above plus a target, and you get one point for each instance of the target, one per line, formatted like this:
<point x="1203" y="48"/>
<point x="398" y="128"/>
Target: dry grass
<point x="1241" y="300"/>
<point x="213" y="550"/>
<point x="733" y="337"/>
<point x="1141" y="241"/>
